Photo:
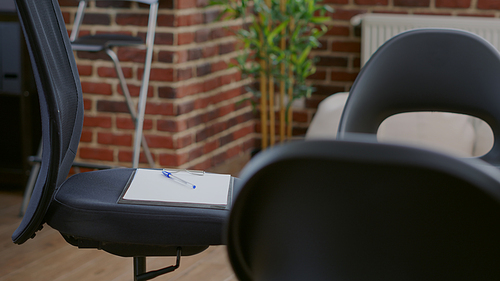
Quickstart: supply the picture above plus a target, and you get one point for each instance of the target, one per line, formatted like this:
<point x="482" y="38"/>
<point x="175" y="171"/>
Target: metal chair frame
<point x="137" y="115"/>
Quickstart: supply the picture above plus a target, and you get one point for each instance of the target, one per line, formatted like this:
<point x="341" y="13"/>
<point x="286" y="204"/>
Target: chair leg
<point x="35" y="168"/>
<point x="130" y="104"/>
<point x="139" y="267"/>
<point x="140" y="273"/>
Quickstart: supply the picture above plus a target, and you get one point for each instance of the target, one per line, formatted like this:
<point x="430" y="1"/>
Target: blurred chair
<point x="356" y="210"/>
<point x="84" y="208"/>
<point x="106" y="42"/>
<point x="444" y="70"/>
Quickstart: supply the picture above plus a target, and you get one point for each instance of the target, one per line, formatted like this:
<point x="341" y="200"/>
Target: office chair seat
<point x="86" y="212"/>
<point x="96" y="43"/>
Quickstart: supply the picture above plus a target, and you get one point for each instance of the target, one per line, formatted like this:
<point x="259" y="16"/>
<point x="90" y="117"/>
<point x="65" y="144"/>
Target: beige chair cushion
<point x="457" y="134"/>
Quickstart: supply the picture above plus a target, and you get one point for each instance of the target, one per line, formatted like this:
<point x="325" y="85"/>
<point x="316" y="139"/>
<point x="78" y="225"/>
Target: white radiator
<point x="378" y="28"/>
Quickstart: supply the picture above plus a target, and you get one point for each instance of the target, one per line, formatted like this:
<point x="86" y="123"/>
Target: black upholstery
<point x="339" y="210"/>
<point x="427" y="70"/>
<point x="84" y="207"/>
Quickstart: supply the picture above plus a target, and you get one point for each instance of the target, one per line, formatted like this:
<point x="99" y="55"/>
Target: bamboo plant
<point x="276" y="40"/>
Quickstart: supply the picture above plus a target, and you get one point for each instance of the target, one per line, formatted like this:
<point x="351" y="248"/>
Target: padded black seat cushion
<point x="100" y="41"/>
<point x="86" y="206"/>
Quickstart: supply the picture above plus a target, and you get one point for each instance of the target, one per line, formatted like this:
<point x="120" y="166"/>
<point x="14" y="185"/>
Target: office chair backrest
<point x="61" y="104"/>
<point x="427" y="70"/>
<point x="335" y="210"/>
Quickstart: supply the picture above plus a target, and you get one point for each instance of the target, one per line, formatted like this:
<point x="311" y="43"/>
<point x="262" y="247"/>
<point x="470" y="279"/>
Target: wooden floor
<point x="49" y="257"/>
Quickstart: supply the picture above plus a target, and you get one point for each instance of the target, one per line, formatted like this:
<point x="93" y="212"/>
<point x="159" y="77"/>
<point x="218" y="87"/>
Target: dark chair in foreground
<point x="427" y="70"/>
<point x="84" y="208"/>
<point x="338" y="210"/>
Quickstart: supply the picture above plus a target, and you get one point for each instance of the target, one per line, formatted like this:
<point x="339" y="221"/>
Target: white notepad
<point x="151" y="187"/>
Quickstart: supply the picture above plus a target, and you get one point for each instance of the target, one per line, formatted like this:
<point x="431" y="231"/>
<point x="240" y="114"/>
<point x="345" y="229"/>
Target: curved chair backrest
<point x="337" y="210"/>
<point x="61" y="104"/>
<point x="427" y="70"/>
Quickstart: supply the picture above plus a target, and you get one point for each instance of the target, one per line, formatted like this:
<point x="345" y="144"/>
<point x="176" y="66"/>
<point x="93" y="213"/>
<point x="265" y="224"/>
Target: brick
<point x="162" y="108"/>
<point x="185" y="4"/>
<point x="454" y="3"/>
<point x="332" y="61"/>
<point x="185" y="107"/>
<point x="202" y="3"/>
<point x="488" y="4"/>
<point x="157" y="141"/>
<point x="132" y="19"/>
<point x="165" y="20"/>
<point x="338" y="31"/>
<point x="135" y="90"/>
<point x="126" y="123"/>
<point x="111" y="72"/>
<point x="343" y="76"/>
<point x="327" y="90"/>
<point x="300" y="116"/>
<point x="97" y="121"/>
<point x="131" y="54"/>
<point x="86" y="136"/>
<point x="412" y="3"/>
<point x="211" y="16"/>
<point x="171" y="125"/>
<point x="103" y="154"/>
<point x="96" y="19"/>
<point x="97" y="88"/>
<point x="319" y="75"/>
<point x="114" y="139"/>
<point x="164" y="38"/>
<point x="218" y="66"/>
<point x="226" y="139"/>
<point x="172" y="160"/>
<point x="194" y="54"/>
<point x="243" y="132"/>
<point x="112" y="106"/>
<point x="195" y="153"/>
<point x="203" y="69"/>
<point x="87" y="104"/>
<point x="185" y="38"/>
<point x="158" y="74"/>
<point x="182" y="56"/>
<point x="226" y="48"/>
<point x="188" y="20"/>
<point x="210" y="51"/>
<point x="84" y="70"/>
<point x="202" y="35"/>
<point x="183" y="141"/>
<point x="166" y="56"/>
<point x="342" y="14"/>
<point x="346" y="46"/>
<point x="211" y="84"/>
<point x="126" y="156"/>
<point x="210" y="146"/>
<point x="371" y="2"/>
<point x="219" y="33"/>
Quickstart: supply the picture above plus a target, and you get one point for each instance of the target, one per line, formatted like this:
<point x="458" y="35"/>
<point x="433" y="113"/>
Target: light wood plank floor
<point x="49" y="257"/>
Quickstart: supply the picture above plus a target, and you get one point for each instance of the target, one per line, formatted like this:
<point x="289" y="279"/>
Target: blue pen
<point x="177" y="179"/>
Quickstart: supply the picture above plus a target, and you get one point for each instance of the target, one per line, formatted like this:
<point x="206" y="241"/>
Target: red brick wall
<point x="194" y="115"/>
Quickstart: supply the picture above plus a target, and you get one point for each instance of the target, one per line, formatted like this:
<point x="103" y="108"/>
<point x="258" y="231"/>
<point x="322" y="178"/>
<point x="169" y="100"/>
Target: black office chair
<point x="84" y="208"/>
<point x="355" y="210"/>
<point x="444" y="70"/>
